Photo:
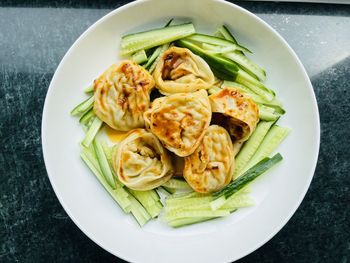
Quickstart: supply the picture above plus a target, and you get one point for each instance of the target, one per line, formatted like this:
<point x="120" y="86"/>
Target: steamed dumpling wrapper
<point x="122" y="94"/>
<point x="179" y="70"/>
<point x="180" y="120"/>
<point x="240" y="113"/>
<point x="211" y="166"/>
<point x="141" y="162"/>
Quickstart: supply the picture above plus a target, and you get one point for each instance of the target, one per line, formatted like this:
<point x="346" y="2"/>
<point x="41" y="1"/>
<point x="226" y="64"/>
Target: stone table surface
<point x="34" y="36"/>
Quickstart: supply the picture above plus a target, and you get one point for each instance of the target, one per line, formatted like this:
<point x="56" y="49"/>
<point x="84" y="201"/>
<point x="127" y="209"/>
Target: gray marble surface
<point x="34" y="36"/>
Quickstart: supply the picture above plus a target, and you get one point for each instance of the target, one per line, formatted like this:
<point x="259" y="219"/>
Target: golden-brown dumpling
<point x="141" y="162"/>
<point x="240" y="111"/>
<point x="179" y="70"/>
<point x="211" y="166"/>
<point x="122" y="94"/>
<point x="180" y="120"/>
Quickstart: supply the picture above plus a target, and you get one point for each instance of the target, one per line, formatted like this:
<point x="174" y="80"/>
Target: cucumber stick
<point x="260" y="168"/>
<point x="275" y="103"/>
<point x="213" y="90"/>
<point x="103" y="162"/>
<point x="89" y="89"/>
<point x="247" y="65"/>
<point x="163" y="48"/>
<point x="201" y="38"/>
<point x="86" y="117"/>
<point x="200" y="213"/>
<point x="83" y="107"/>
<point x="226" y="34"/>
<point x="139" y="57"/>
<point x="118" y="194"/>
<point x="153" y="57"/>
<point x="268" y="113"/>
<point x="155" y="37"/>
<point x="272" y="139"/>
<point x="255" y="85"/>
<point x="177" y="184"/>
<point x="250" y="146"/>
<point x="236" y="56"/>
<point x="138" y="211"/>
<point x="188" y="221"/>
<point x="148" y="201"/>
<point x="92" y="131"/>
<point x="227" y="69"/>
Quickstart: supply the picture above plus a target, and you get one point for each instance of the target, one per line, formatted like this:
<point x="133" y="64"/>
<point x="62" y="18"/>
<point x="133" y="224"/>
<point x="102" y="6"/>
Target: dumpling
<point x="141" y="162"/>
<point x="122" y="94"/>
<point x="211" y="166"/>
<point x="179" y="70"/>
<point x="180" y="120"/>
<point x="240" y="111"/>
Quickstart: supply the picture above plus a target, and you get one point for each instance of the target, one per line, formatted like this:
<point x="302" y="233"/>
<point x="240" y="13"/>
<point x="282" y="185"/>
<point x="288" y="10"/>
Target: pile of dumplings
<point x="186" y="123"/>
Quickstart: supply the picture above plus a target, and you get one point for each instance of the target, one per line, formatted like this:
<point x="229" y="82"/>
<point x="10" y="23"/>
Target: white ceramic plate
<point x="277" y="194"/>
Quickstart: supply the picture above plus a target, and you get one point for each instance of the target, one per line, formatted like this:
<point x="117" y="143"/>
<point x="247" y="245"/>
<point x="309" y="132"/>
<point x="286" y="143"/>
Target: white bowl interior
<point x="277" y="194"/>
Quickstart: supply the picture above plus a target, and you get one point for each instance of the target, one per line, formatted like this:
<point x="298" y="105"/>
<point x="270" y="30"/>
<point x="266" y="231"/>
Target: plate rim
<point x="312" y="167"/>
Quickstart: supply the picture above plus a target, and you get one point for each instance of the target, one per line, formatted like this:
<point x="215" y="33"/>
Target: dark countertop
<point x="34" y="36"/>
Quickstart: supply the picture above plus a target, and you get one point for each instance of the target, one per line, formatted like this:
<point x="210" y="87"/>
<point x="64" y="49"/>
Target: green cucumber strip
<point x="272" y="139"/>
<point x="155" y="37"/>
<point x="201" y="38"/>
<point x="190" y="202"/>
<point x="108" y="150"/>
<point x="226" y="33"/>
<point x="139" y="212"/>
<point x="170" y="190"/>
<point x="89" y="89"/>
<point x="250" y="146"/>
<point x="222" y="67"/>
<point x="163" y="48"/>
<point x="153" y="57"/>
<point x="200" y="201"/>
<point x="217" y="203"/>
<point x="247" y="65"/>
<point x="267" y="113"/>
<point x="251" y="174"/>
<point x="179" y="196"/>
<point x="278" y="108"/>
<point x="275" y="103"/>
<point x="156" y="51"/>
<point x="83" y="107"/>
<point x="92" y="131"/>
<point x="218" y="34"/>
<point x="255" y="85"/>
<point x="163" y="191"/>
<point x="188" y="221"/>
<point x="213" y="90"/>
<point x="103" y="162"/>
<point x="146" y="198"/>
<point x="177" y="184"/>
<point x="232" y="203"/>
<point x="119" y="194"/>
<point x="238" y="57"/>
<point x="85" y="118"/>
<point x="139" y="57"/>
<point x="212" y="49"/>
<point x="201" y="213"/>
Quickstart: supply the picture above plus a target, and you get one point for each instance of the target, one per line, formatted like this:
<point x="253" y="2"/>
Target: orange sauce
<point x="113" y="135"/>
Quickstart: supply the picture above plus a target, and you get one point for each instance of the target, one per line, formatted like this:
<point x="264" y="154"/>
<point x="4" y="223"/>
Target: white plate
<point x="277" y="194"/>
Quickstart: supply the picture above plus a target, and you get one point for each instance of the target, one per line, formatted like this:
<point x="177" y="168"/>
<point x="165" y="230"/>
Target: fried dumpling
<point x="180" y="120"/>
<point x="141" y="162"/>
<point x="240" y="112"/>
<point x="122" y="94"/>
<point x="211" y="166"/>
<point x="179" y="70"/>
